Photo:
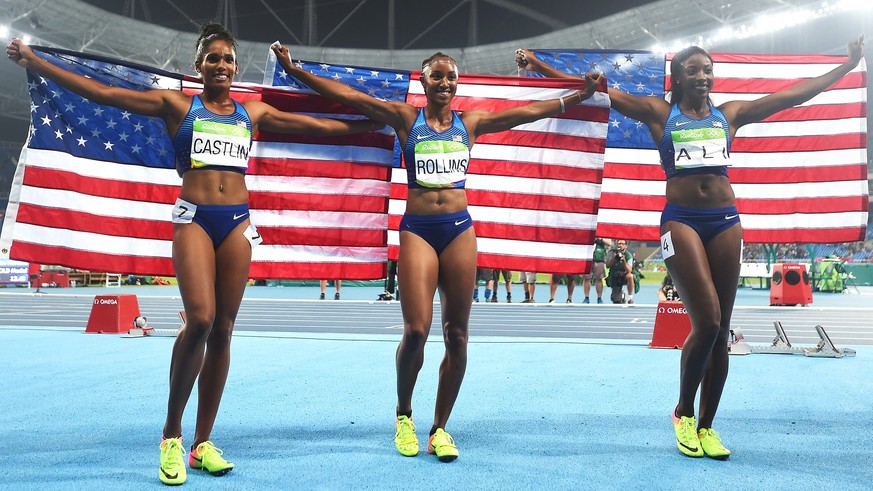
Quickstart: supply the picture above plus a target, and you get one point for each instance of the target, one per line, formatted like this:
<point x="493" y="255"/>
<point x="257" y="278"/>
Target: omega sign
<point x="672" y="310"/>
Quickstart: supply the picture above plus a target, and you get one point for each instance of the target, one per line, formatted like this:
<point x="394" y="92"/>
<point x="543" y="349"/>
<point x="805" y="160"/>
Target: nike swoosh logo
<point x="421" y="137"/>
<point x="730" y="217"/>
<point x="169" y="476"/>
<point x="693" y="449"/>
<point x="682" y="123"/>
<point x="462" y="221"/>
<point x="237" y="217"/>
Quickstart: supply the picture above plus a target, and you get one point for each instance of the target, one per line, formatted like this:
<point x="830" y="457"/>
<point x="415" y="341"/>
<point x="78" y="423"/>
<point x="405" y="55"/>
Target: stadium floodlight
<point x="766" y="24"/>
<point x="4" y="31"/>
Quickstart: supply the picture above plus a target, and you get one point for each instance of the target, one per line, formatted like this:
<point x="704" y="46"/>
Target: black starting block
<point x="782" y="346"/>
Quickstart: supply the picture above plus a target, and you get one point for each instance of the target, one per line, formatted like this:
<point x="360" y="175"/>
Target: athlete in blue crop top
<point x="437" y="241"/>
<point x="212" y="233"/>
<point x="701" y="234"/>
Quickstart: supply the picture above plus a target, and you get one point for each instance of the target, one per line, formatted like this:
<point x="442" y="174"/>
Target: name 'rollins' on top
<point x="218" y="147"/>
<point x="440" y="166"/>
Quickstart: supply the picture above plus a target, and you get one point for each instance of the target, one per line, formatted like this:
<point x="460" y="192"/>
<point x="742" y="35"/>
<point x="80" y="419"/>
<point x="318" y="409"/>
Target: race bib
<point x="441" y="164"/>
<point x="702" y="147"/>
<point x="183" y="211"/>
<point x="221" y="144"/>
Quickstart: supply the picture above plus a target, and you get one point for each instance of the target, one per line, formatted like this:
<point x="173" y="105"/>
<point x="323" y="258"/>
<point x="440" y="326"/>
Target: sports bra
<point x="206" y="140"/>
<point x="434" y="159"/>
<point x="695" y="146"/>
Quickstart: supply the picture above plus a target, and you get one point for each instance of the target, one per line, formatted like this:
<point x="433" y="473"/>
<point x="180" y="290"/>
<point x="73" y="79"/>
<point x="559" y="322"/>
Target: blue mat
<point x="307" y="412"/>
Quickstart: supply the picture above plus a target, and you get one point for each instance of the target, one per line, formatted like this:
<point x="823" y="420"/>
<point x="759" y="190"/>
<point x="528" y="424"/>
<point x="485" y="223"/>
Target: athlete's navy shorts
<point x="437" y="230"/>
<point x="707" y="222"/>
<point x="217" y="220"/>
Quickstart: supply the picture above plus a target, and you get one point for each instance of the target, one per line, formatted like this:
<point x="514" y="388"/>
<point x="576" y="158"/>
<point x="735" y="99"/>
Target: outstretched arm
<point x="148" y="103"/>
<point x="396" y="114"/>
<point x="652" y="111"/>
<point x="740" y="113"/>
<point x="481" y="122"/>
<point x="271" y="119"/>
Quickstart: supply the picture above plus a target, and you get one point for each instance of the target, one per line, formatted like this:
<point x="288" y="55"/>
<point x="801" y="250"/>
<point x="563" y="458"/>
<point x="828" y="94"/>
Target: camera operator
<point x="620" y="264"/>
<point x="668" y="292"/>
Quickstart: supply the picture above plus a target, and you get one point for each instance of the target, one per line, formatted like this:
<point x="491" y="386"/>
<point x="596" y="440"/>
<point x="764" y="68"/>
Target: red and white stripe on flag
<point x="534" y="190"/>
<point x="799" y="176"/>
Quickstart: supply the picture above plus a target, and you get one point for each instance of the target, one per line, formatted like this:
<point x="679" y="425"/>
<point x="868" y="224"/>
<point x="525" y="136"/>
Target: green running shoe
<point x="443" y="446"/>
<point x="404" y="437"/>
<point x="172" y="471"/>
<point x="686" y="435"/>
<point x="208" y="457"/>
<point x="710" y="441"/>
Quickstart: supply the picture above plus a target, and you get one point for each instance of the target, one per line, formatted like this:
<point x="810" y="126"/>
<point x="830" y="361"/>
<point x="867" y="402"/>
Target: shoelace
<point x="175" y="452"/>
<point x="207" y="447"/>
<point x="444" y="438"/>
<point x="689" y="427"/>
<point x="406" y="430"/>
<point x="713" y="433"/>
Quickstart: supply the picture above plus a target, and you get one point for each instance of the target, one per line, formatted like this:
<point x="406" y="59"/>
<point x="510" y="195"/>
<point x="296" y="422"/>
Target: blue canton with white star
<point x="637" y="73"/>
<point x="64" y="121"/>
<point x="387" y="85"/>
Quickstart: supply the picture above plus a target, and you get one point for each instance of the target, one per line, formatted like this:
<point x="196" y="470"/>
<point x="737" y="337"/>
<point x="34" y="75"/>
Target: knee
<point x="219" y="338"/>
<point x="455" y="336"/>
<point x="414" y="336"/>
<point x="708" y="329"/>
<point x="198" y="325"/>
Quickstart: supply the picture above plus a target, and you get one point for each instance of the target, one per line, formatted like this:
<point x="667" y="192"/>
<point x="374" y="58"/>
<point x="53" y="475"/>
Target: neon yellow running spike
<point x="710" y="441"/>
<point x="404" y="437"/>
<point x="172" y="471"/>
<point x="686" y="435"/>
<point x="443" y="446"/>
<point x="208" y="457"/>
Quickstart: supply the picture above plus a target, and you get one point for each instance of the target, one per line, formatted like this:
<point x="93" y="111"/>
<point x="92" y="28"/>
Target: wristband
<point x="563" y="108"/>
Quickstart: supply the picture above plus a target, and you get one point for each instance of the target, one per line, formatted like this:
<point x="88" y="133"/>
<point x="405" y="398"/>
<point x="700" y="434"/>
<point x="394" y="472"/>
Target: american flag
<point x="95" y="185"/>
<point x="800" y="176"/>
<point x="533" y="191"/>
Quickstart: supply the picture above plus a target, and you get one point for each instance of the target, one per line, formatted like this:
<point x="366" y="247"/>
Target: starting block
<point x="672" y="326"/>
<point x="782" y="346"/>
<point x="111" y="313"/>
<point x="141" y="329"/>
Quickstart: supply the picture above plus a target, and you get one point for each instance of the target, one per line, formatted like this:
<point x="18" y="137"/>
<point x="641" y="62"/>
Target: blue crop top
<point x="437" y="160"/>
<point x="206" y="140"/>
<point x="695" y="146"/>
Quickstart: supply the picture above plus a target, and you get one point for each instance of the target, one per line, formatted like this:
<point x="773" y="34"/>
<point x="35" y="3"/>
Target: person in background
<point x="598" y="270"/>
<point x="323" y="284"/>
<point x="620" y="264"/>
<point x="530" y="285"/>
<point x="553" y="286"/>
<point x="667" y="292"/>
<point x="507" y="279"/>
